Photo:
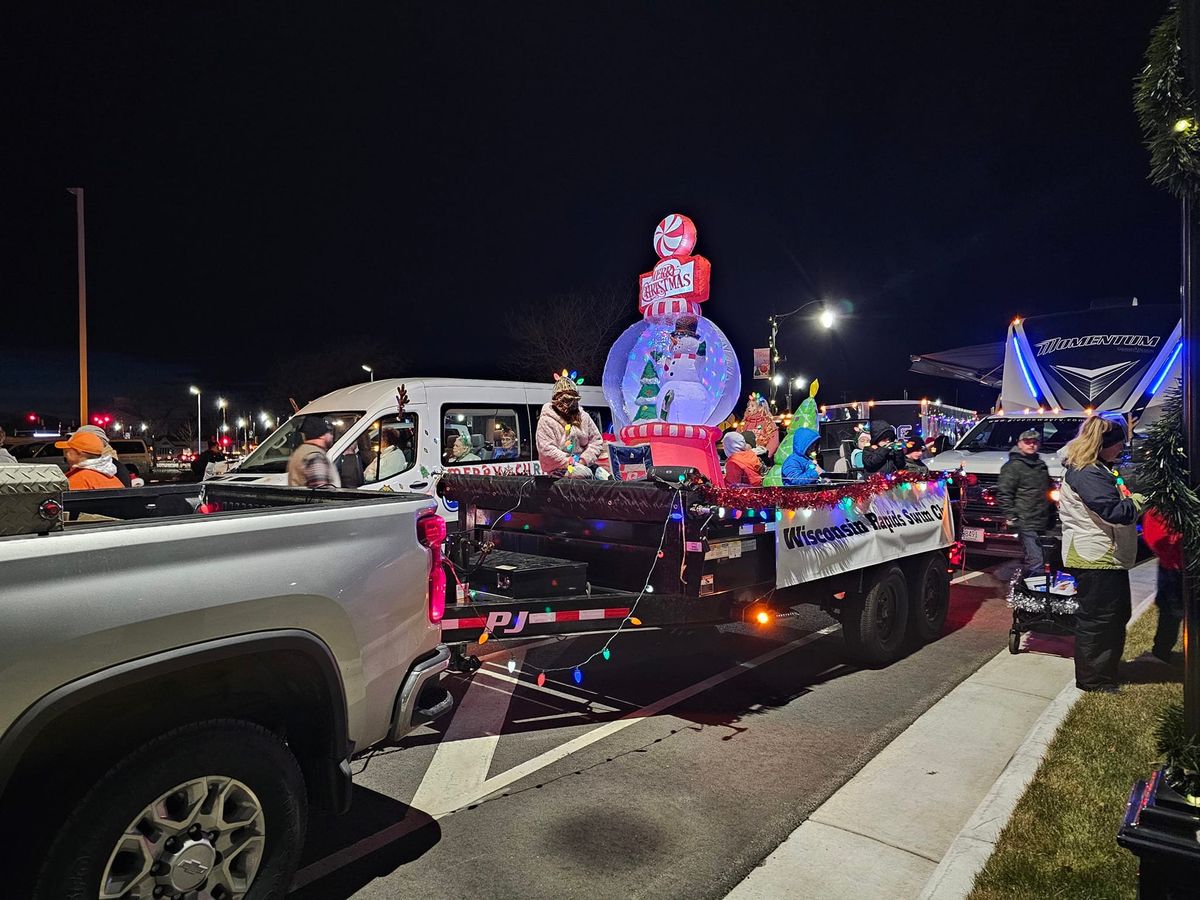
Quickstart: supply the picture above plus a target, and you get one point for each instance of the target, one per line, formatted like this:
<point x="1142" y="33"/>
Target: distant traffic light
<point x="225" y="442"/>
<point x="32" y="417"/>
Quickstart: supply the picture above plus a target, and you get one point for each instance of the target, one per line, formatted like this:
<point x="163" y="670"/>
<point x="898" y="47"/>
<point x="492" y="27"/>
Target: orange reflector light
<point x="763" y="617"/>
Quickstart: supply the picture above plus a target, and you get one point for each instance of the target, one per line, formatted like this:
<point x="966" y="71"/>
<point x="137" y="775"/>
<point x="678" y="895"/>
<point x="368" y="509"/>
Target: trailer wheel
<point x="874" y="625"/>
<point x="930" y="595"/>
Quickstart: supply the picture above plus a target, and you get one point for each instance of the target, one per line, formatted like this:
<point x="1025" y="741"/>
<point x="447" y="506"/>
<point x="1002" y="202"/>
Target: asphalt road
<point x="672" y="771"/>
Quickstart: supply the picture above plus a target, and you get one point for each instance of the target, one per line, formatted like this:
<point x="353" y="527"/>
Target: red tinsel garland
<point x="807" y="498"/>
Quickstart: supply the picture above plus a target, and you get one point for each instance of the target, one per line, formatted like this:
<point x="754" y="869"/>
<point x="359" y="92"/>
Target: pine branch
<point x="1163" y="478"/>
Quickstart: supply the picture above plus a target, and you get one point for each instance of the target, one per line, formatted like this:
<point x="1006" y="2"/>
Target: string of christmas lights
<point x="605" y="651"/>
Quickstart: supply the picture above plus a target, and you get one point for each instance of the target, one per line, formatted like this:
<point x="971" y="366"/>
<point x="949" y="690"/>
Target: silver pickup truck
<point x="185" y="669"/>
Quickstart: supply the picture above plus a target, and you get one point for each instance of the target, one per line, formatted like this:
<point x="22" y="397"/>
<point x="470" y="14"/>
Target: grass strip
<point x="1061" y="840"/>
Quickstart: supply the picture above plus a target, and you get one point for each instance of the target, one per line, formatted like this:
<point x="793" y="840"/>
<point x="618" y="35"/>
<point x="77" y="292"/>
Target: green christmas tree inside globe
<point x="804" y="417"/>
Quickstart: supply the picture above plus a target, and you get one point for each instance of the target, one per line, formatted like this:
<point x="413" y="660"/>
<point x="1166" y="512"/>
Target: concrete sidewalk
<point x="921" y="818"/>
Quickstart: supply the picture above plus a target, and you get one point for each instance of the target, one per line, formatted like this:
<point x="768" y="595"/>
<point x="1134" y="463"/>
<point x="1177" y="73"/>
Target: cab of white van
<point x="482" y="427"/>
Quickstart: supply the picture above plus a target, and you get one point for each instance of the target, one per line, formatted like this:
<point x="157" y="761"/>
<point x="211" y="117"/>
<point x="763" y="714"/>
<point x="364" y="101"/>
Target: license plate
<point x="975" y="535"/>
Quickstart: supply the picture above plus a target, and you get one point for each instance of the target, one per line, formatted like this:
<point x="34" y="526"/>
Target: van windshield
<point x="1002" y="434"/>
<point x="271" y="456"/>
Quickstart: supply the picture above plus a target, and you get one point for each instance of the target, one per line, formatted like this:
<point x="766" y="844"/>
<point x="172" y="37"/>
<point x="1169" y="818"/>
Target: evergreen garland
<point x="1163" y="478"/>
<point x="1163" y="101"/>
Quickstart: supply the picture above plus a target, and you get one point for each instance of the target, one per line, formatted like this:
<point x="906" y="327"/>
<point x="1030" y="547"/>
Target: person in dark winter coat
<point x="1024" y="494"/>
<point x="886" y="453"/>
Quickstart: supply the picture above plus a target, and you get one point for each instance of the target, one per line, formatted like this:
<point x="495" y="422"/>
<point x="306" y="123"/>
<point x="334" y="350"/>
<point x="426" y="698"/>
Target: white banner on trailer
<point x="906" y="520"/>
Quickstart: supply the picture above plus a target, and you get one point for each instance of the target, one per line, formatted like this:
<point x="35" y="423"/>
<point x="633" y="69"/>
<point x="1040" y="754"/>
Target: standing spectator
<point x="209" y="457"/>
<point x="1099" y="547"/>
<point x="6" y="458"/>
<point x="124" y="475"/>
<point x="88" y="467"/>
<point x="1024" y="494"/>
<point x="742" y="465"/>
<point x="309" y="464"/>
<point x="1167" y="545"/>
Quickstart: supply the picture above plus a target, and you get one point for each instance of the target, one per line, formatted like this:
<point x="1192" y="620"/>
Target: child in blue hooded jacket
<point x="799" y="468"/>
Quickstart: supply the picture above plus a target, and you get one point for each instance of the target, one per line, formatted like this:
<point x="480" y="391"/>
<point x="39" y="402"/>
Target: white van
<point x="480" y="427"/>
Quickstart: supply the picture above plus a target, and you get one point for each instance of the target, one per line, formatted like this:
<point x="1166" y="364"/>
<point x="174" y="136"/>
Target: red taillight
<point x="431" y="532"/>
<point x="957" y="552"/>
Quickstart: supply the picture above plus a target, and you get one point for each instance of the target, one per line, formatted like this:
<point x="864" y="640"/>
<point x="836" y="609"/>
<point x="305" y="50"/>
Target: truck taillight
<point x="431" y="532"/>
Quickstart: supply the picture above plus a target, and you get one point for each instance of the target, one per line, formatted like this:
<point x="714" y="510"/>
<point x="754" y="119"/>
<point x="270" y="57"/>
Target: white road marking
<point x="562" y="695"/>
<point x="442" y="788"/>
<point x="503" y="780"/>
<point x="965" y="578"/>
<point x="460" y="764"/>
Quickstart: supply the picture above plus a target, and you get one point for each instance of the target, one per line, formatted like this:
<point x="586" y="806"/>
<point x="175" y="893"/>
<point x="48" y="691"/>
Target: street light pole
<point x="369" y="371"/>
<point x="82" y="267"/>
<point x="827" y="319"/>
<point x="195" y="390"/>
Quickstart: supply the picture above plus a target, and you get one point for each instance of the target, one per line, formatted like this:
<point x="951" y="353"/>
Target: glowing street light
<point x="799" y="383"/>
<point x="827" y="318"/>
<point x="777" y="379"/>
<point x="199" y="429"/>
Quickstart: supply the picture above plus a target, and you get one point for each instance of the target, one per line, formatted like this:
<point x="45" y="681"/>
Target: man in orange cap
<point x="89" y="467"/>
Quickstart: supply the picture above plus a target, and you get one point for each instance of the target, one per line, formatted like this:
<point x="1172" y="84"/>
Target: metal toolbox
<point x="31" y="499"/>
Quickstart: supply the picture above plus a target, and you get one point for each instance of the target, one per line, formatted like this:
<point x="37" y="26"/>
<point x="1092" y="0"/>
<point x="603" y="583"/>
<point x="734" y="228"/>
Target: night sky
<point x="267" y="180"/>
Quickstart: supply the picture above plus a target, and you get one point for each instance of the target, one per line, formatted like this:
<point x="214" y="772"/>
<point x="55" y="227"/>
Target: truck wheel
<point x="930" y="595"/>
<point x="1014" y="642"/>
<point x="874" y="625"/>
<point x="215" y="809"/>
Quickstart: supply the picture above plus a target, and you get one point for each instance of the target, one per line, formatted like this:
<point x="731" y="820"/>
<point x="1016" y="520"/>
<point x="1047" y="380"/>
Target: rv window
<point x="388" y="447"/>
<point x="472" y="434"/>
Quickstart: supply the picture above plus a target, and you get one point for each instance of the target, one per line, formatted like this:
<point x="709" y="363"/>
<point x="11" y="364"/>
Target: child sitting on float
<point x="742" y="464"/>
<point x="799" y="467"/>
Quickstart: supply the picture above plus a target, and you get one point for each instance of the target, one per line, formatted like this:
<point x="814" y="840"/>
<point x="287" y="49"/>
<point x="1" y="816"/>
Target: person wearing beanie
<point x="742" y="465"/>
<point x="88" y="468"/>
<point x="1099" y="522"/>
<point x="568" y="441"/>
<point x="886" y="454"/>
<point x="1024" y="494"/>
<point x="309" y="464"/>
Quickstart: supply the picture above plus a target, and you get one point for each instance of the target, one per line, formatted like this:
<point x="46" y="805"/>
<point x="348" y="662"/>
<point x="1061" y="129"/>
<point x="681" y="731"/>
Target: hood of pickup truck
<point x="985" y="462"/>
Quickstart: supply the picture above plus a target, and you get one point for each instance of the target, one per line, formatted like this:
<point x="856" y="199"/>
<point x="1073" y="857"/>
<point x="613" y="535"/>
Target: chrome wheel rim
<point x="201" y="840"/>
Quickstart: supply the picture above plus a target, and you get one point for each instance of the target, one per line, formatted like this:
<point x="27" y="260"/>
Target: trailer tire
<point x="874" y="625"/>
<point x="929" y="593"/>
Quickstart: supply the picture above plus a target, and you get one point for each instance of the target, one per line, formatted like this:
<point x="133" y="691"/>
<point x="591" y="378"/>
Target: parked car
<point x="132" y="452"/>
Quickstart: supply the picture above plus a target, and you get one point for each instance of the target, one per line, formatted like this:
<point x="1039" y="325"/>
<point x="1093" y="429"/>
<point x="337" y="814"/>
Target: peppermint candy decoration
<point x="674" y="236"/>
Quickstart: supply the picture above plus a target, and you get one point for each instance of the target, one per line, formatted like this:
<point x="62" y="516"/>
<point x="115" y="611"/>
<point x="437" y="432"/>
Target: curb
<point x="955" y="875"/>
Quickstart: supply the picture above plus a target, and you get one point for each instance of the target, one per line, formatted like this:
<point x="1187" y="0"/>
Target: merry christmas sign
<point x="675" y="366"/>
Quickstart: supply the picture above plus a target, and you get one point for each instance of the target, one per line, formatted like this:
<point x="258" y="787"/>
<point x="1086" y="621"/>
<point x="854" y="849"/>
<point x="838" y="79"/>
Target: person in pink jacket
<point x="568" y="441"/>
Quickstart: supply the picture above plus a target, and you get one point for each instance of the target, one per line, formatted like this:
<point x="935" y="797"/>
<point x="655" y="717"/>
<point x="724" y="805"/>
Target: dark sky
<point x="263" y="179"/>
